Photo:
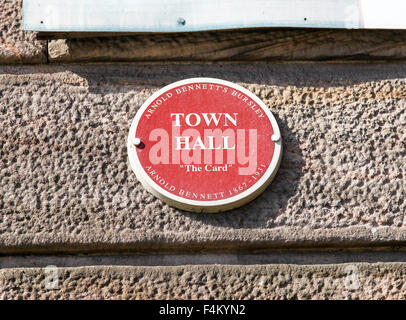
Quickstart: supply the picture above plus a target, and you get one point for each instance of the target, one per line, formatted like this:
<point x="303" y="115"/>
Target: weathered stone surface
<point x="65" y="183"/>
<point x="250" y="45"/>
<point x="16" y="45"/>
<point x="345" y="281"/>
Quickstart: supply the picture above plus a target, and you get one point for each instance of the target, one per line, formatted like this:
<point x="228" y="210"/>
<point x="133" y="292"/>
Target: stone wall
<point x="66" y="187"/>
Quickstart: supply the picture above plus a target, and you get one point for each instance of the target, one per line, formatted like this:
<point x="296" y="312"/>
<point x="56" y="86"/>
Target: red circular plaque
<point x="205" y="145"/>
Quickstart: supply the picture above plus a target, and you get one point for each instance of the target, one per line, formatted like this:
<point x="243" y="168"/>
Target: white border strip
<point x="195" y="15"/>
<point x="387" y="14"/>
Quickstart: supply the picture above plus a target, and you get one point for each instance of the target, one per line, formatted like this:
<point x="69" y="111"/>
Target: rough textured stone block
<point x="16" y="45"/>
<point x="345" y="281"/>
<point x="65" y="182"/>
<point x="249" y="45"/>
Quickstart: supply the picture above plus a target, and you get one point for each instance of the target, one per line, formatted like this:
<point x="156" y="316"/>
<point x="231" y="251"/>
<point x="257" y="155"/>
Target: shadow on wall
<point x="123" y="77"/>
<point x="262" y="211"/>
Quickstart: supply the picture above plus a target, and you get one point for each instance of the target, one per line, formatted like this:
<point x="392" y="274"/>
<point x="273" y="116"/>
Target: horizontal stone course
<point x="66" y="185"/>
<point x="340" y="281"/>
<point x="242" y="45"/>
